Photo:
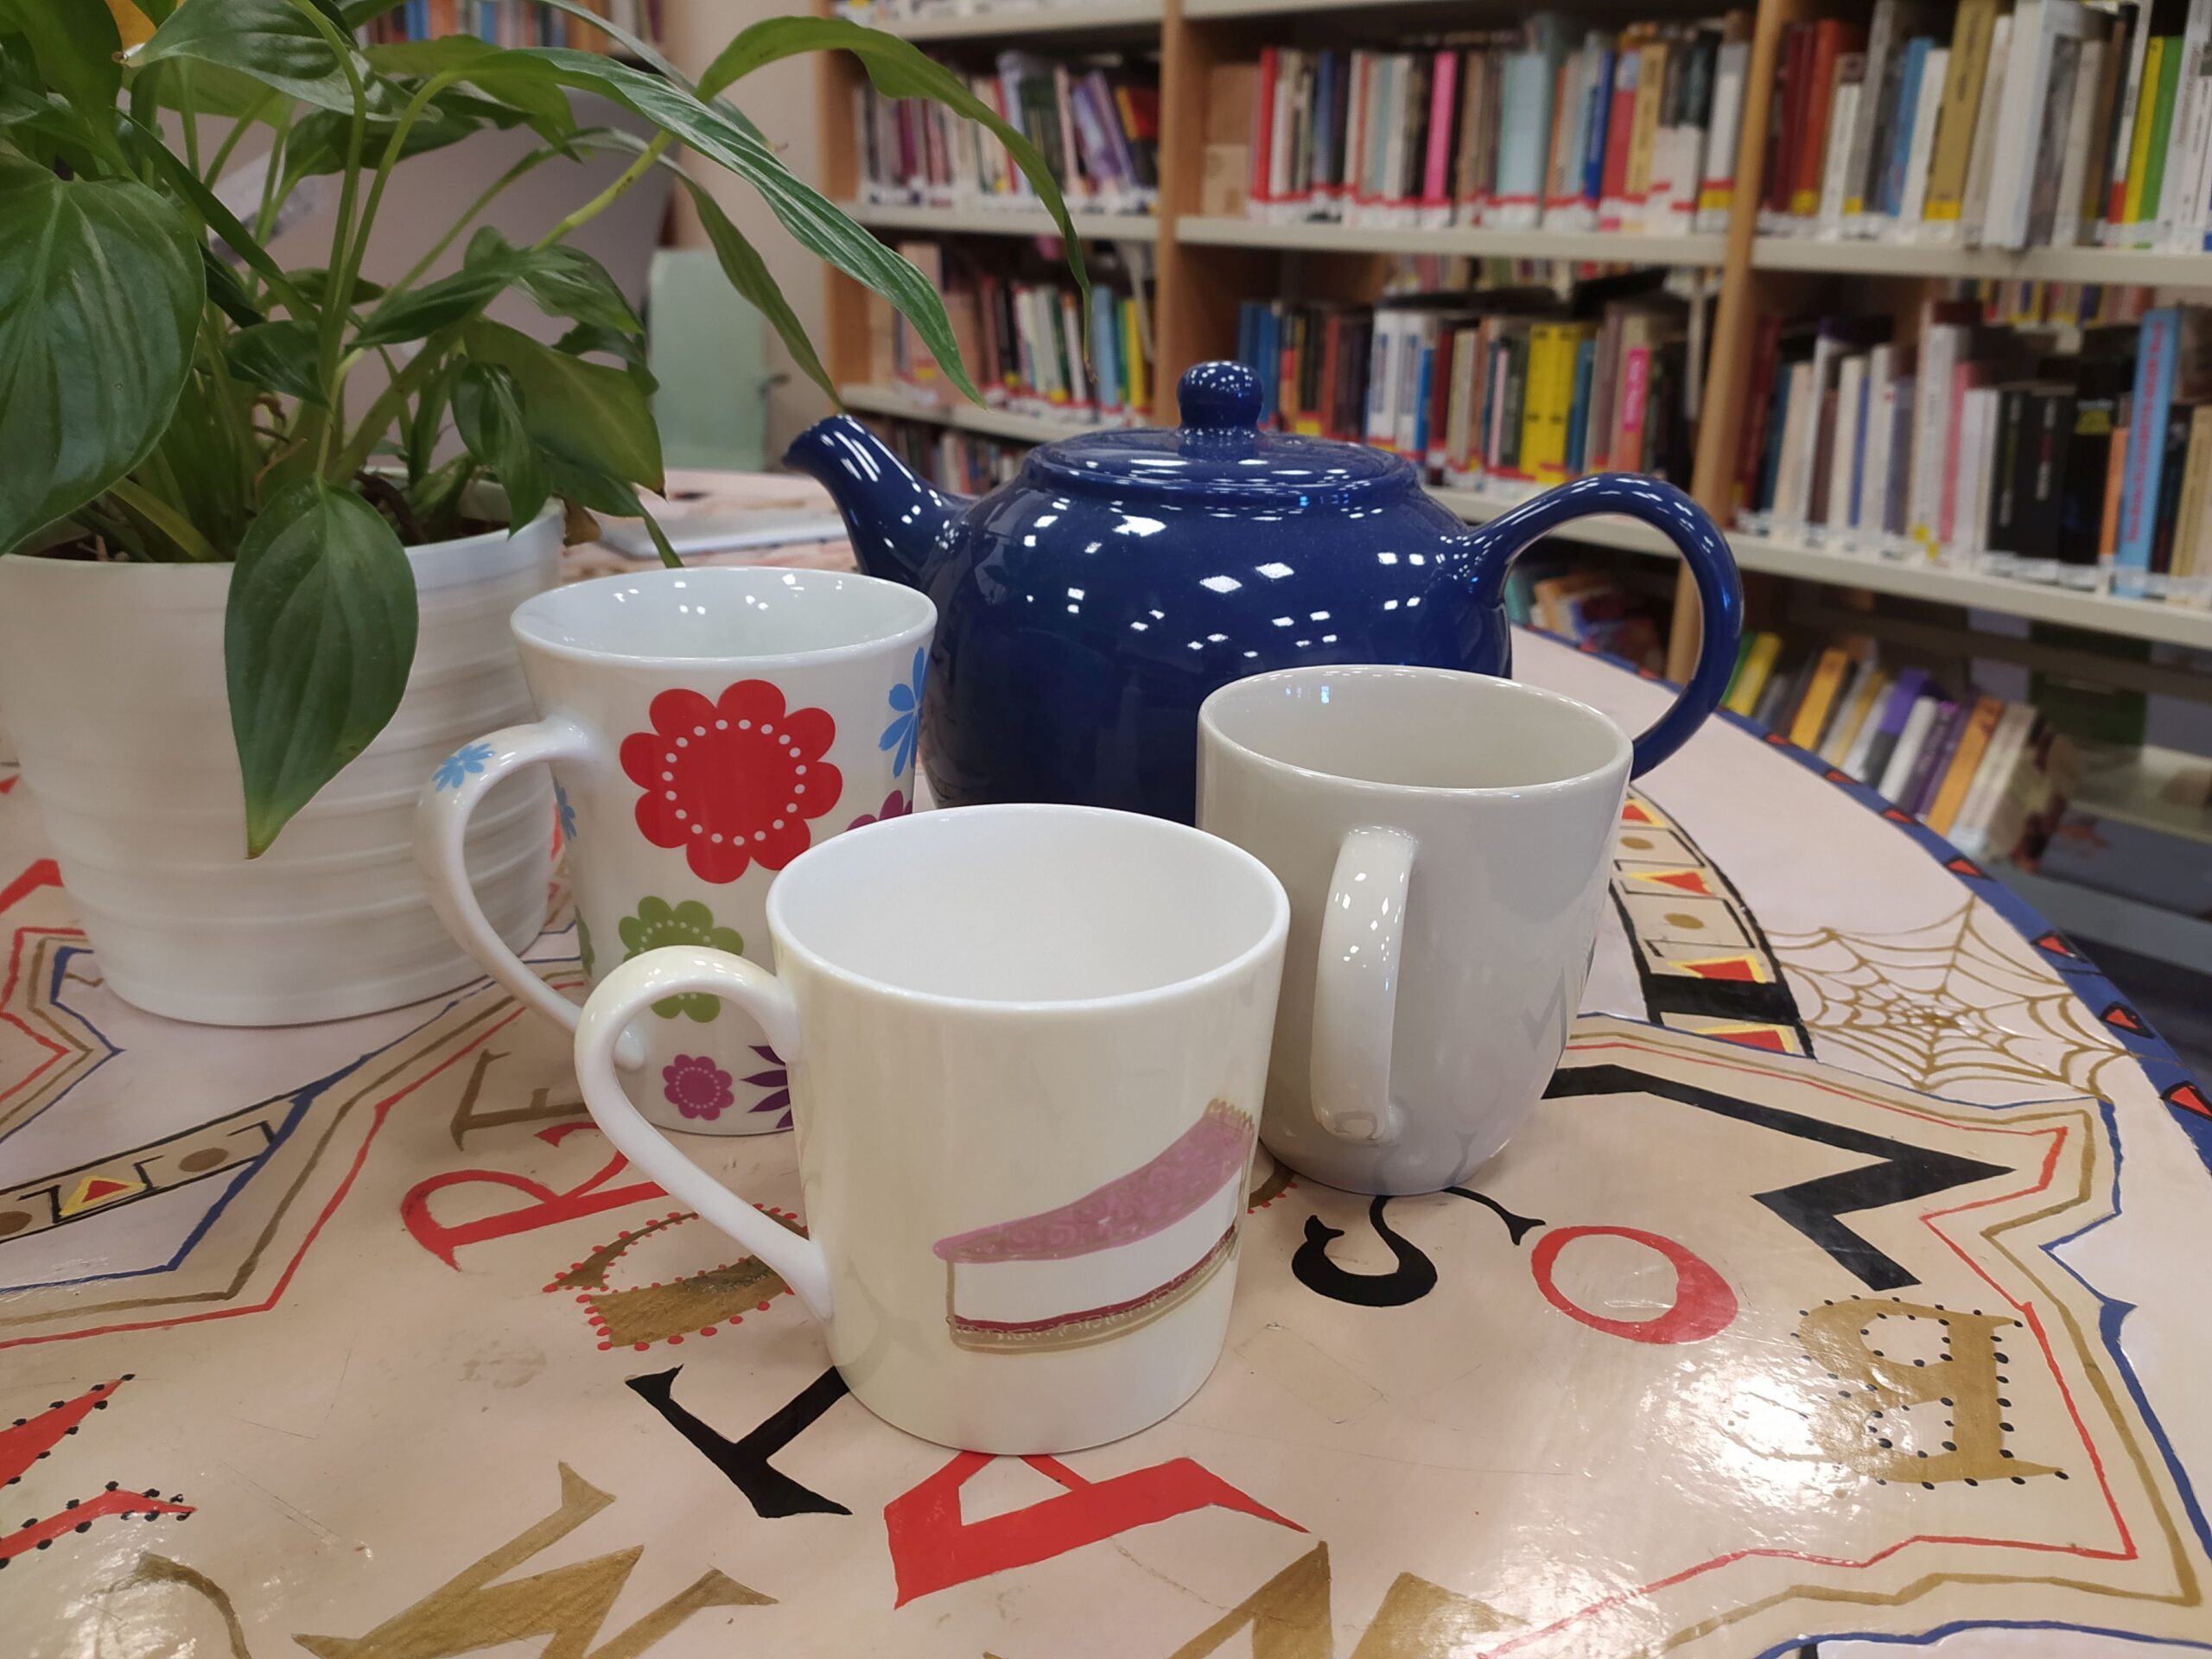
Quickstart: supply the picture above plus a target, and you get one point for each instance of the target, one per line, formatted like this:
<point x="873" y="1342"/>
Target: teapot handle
<point x="1681" y="521"/>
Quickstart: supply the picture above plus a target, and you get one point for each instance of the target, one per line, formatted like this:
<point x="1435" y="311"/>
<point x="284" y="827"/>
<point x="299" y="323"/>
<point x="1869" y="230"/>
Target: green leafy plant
<point x="167" y="392"/>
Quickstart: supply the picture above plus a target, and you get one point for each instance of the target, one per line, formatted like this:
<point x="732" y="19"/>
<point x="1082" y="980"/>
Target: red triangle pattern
<point x="2120" y="1014"/>
<point x="1736" y="968"/>
<point x="1964" y="866"/>
<point x="1767" y="1039"/>
<point x="1897" y="815"/>
<point x="2189" y="1098"/>
<point x="1631" y="812"/>
<point x="2057" y="946"/>
<point x="1683" y="881"/>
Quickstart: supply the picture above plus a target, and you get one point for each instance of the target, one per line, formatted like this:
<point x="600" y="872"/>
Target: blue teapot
<point x="1086" y="609"/>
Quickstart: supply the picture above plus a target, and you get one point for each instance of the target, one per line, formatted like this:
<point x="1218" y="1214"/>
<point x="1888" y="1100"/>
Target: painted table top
<point x="1845" y="1291"/>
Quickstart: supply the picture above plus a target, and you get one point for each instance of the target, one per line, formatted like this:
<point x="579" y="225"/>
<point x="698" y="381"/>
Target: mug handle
<point x="1674" y="515"/>
<point x="1356" y="987"/>
<point x="442" y="815"/>
<point x="605" y="1016"/>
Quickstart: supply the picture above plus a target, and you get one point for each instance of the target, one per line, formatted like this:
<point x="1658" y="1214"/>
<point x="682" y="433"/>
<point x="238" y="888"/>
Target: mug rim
<point x="525" y="621"/>
<point x="1271" y="936"/>
<point x="1211" y="730"/>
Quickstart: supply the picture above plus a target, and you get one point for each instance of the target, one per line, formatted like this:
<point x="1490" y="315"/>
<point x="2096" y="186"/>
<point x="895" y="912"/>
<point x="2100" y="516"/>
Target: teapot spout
<point x="899" y="524"/>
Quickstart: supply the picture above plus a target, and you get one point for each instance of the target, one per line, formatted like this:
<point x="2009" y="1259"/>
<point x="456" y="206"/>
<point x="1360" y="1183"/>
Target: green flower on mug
<point x="658" y="923"/>
<point x="584" y="951"/>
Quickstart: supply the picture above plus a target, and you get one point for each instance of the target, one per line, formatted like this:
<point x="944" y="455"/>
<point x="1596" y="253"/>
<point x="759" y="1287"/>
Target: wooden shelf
<point x="2136" y="619"/>
<point x="1084" y="17"/>
<point x="2166" y="789"/>
<point x="1000" y="221"/>
<point x="1612" y="247"/>
<point x="968" y="417"/>
<point x="1934" y="259"/>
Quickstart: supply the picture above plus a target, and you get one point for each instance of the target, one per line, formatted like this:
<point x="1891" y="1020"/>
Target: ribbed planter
<point x="112" y="691"/>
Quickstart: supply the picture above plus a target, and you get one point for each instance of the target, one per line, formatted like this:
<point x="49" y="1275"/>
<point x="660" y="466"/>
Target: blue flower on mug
<point x="461" y="765"/>
<point x="567" y="814"/>
<point x="905" y="732"/>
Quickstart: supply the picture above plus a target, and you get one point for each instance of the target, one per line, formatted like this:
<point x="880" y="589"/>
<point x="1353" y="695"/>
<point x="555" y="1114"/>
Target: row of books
<point x="965" y="462"/>
<point x="514" y="23"/>
<point x="1973" y="440"/>
<point x="1032" y="346"/>
<point x="1993" y="777"/>
<point x="2006" y="123"/>
<point x="1492" y="388"/>
<point x="1587" y="605"/>
<point x="1096" y="123"/>
<point x="1547" y="124"/>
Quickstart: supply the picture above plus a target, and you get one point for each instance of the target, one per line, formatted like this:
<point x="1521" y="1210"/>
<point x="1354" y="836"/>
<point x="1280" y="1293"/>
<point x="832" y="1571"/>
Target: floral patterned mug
<point x="705" y="728"/>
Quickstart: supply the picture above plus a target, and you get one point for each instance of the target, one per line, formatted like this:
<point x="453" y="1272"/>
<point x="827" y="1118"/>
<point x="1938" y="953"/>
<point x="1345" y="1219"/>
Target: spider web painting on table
<point x="1951" y="1007"/>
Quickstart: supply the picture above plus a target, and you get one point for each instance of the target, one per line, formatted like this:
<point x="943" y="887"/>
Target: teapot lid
<point x="1220" y="455"/>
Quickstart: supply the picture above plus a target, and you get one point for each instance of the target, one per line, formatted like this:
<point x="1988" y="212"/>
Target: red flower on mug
<point x="732" y="782"/>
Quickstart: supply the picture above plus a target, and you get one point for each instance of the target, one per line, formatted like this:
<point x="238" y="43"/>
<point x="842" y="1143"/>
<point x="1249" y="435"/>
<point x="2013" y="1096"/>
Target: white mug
<point x="704" y="728"/>
<point x="1028" y="1046"/>
<point x="1443" y="836"/>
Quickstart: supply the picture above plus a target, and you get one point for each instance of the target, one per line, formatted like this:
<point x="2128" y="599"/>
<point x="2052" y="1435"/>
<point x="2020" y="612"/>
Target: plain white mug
<point x="1028" y="1046"/>
<point x="705" y="728"/>
<point x="1443" y="837"/>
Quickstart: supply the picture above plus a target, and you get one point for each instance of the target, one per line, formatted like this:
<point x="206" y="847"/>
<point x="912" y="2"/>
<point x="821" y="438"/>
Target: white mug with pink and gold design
<point x="704" y="728"/>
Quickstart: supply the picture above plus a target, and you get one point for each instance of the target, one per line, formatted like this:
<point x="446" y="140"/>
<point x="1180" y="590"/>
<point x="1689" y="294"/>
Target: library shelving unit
<point x="1205" y="265"/>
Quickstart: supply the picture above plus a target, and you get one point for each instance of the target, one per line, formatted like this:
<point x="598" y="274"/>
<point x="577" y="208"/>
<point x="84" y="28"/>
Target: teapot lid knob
<point x="1218" y="395"/>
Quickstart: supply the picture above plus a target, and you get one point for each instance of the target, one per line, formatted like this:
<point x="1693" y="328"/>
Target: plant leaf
<point x="488" y="408"/>
<point x="100" y="290"/>
<point x="586" y="337"/>
<point x="899" y="69"/>
<point x="563" y="282"/>
<point x="185" y="183"/>
<point x="317" y="641"/>
<point x="228" y="293"/>
<point x="516" y="80"/>
<point x="749" y="275"/>
<point x="75" y="44"/>
<point x="814" y="222"/>
<point x="599" y="492"/>
<point x="269" y="40"/>
<point x="312" y="282"/>
<point x="281" y="356"/>
<point x="585" y="414"/>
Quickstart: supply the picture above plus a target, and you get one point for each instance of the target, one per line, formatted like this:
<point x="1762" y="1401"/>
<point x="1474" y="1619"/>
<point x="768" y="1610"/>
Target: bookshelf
<point x="1006" y="424"/>
<point x="1025" y="22"/>
<point x="2126" y="266"/>
<point x="1205" y="262"/>
<point x="1474" y="242"/>
<point x="1000" y="221"/>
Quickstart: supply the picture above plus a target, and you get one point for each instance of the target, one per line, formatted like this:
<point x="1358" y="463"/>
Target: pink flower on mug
<point x="696" y="1087"/>
<point x="733" y="782"/>
<point x="895" y="806"/>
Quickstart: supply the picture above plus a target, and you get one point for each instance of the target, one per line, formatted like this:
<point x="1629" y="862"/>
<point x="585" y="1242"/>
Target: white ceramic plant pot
<point x="112" y="692"/>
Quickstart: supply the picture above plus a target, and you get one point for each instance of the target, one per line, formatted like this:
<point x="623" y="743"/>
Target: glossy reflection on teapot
<point x="1087" y="607"/>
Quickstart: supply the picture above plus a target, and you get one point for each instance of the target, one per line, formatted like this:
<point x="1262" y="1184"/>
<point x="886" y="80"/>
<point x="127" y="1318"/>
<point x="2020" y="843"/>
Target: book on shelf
<point x="966" y="463"/>
<point x="1994" y="777"/>
<point x="1544" y="125"/>
<point x="1590" y="606"/>
<point x="1978" y="441"/>
<point x="1095" y="120"/>
<point x="1502" y="390"/>
<point x="1033" y="346"/>
<point x="2001" y="124"/>
<point x="515" y="22"/>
